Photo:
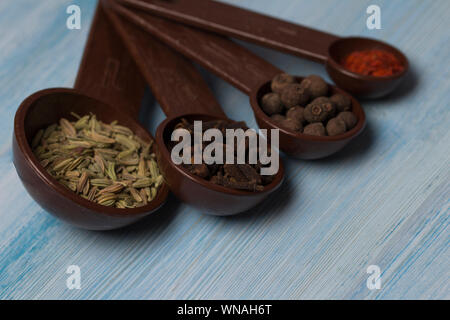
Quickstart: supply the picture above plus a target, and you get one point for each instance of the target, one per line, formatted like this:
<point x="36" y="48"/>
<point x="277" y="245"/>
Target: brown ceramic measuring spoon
<point x="247" y="72"/>
<point x="182" y="93"/>
<point x="107" y="74"/>
<point x="288" y="37"/>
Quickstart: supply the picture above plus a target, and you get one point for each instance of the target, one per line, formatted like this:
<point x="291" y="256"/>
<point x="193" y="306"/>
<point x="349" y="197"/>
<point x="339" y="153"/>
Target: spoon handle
<point x="225" y="58"/>
<point x="243" y="24"/>
<point x="107" y="72"/>
<point x="175" y="82"/>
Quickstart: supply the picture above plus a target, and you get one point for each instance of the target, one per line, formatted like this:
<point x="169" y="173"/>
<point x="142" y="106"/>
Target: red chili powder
<point x="377" y="63"/>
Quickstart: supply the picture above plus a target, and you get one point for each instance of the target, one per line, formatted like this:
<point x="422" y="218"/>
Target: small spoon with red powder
<point x="375" y="62"/>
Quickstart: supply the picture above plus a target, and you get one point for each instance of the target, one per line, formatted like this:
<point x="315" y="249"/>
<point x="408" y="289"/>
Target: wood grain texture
<point x="383" y="200"/>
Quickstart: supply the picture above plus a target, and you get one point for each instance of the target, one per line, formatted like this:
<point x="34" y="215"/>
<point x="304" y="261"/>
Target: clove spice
<point x="241" y="176"/>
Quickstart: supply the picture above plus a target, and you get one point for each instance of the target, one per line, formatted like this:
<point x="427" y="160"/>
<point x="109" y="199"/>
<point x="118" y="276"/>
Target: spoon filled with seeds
<point x="104" y="163"/>
<point x="81" y="153"/>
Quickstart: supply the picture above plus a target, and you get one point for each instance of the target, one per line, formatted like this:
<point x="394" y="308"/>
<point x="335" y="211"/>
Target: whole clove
<point x="235" y="176"/>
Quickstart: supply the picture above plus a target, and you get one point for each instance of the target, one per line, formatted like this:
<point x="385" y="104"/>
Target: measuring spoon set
<point x="138" y="43"/>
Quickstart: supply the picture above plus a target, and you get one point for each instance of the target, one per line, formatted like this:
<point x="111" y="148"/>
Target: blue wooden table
<point x="383" y="200"/>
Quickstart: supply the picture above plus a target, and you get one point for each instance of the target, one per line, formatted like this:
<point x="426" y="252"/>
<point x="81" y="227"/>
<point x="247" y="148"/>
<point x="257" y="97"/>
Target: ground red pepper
<point x="377" y="63"/>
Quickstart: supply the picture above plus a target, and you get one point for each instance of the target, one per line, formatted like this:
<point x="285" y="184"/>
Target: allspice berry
<point x="330" y="108"/>
<point x="315" y="129"/>
<point x="291" y="124"/>
<point x="280" y="80"/>
<point x="321" y="117"/>
<point x="271" y="103"/>
<point x="342" y="102"/>
<point x="349" y="118"/>
<point x="335" y="127"/>
<point x="316" y="85"/>
<point x="320" y="100"/>
<point x="296" y="113"/>
<point x="293" y="95"/>
<point x="318" y="112"/>
<point x="277" y="117"/>
<point x="327" y="104"/>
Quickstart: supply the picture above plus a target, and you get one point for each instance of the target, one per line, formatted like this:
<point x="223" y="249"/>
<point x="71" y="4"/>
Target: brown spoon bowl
<point x="301" y="145"/>
<point x="44" y="108"/>
<point x="206" y="196"/>
<point x="362" y="85"/>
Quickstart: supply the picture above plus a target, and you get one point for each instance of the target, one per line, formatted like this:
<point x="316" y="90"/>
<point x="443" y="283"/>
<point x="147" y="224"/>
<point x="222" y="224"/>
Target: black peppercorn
<point x="293" y="95"/>
<point x="316" y="85"/>
<point x="342" y="102"/>
<point x="296" y="113"/>
<point x="315" y="129"/>
<point x="318" y="112"/>
<point x="271" y="103"/>
<point x="349" y="118"/>
<point x="335" y="127"/>
<point x="279" y="81"/>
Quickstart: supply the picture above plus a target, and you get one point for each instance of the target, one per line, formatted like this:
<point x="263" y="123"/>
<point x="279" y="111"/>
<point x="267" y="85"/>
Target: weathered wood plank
<point x="384" y="200"/>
